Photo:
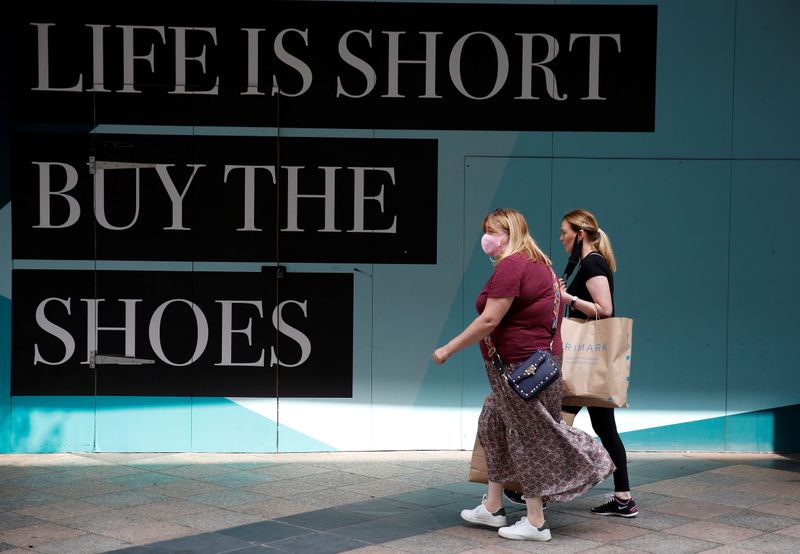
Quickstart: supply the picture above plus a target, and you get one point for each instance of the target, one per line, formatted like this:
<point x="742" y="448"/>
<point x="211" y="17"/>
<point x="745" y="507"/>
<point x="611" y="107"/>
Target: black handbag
<point x="534" y="374"/>
<point x="540" y="369"/>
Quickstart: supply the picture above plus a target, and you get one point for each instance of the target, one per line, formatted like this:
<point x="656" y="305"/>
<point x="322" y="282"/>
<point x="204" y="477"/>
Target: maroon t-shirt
<point x="526" y="327"/>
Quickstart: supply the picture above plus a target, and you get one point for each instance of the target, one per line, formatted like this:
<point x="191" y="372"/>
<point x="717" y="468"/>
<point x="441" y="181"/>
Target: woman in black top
<point x="591" y="294"/>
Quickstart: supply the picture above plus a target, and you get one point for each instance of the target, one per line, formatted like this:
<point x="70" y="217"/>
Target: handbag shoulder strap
<point x="556" y="307"/>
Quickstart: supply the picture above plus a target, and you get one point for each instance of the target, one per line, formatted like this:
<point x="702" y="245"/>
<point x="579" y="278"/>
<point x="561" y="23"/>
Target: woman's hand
<point x="484" y="324"/>
<point x="441" y="354"/>
<point x="564" y="293"/>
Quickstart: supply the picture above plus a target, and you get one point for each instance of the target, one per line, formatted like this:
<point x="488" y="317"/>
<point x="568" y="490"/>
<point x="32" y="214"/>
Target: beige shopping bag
<point x="478" y="471"/>
<point x="597" y="361"/>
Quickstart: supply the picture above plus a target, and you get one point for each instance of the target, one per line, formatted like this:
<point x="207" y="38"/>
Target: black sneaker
<point x="518" y="498"/>
<point x="617" y="507"/>
<point x="514" y="497"/>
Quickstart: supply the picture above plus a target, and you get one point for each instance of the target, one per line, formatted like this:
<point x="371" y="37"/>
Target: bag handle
<point x="491" y="351"/>
<point x="596" y="315"/>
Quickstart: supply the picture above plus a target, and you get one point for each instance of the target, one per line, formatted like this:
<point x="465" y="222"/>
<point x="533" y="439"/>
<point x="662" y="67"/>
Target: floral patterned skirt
<point x="527" y="442"/>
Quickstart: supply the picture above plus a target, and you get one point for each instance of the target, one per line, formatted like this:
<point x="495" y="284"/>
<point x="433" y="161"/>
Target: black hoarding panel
<point x="339" y="65"/>
<point x="207" y="333"/>
<point x="224" y="198"/>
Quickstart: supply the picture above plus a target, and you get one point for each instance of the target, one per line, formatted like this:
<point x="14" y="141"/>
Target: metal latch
<point x="103" y="359"/>
<point x="94" y="165"/>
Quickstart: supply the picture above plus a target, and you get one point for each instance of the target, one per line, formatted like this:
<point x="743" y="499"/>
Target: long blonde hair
<point x="584" y="220"/>
<point x="519" y="238"/>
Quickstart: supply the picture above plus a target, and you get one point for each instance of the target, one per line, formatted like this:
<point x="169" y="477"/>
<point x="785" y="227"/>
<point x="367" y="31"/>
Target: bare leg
<point x="494" y="497"/>
<point x="535" y="511"/>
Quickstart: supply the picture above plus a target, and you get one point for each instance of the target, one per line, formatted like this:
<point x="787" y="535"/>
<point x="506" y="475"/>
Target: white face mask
<point x="494" y="245"/>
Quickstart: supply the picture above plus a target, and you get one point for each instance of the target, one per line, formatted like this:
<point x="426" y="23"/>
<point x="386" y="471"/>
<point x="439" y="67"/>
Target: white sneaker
<point x="524" y="531"/>
<point x="482" y="516"/>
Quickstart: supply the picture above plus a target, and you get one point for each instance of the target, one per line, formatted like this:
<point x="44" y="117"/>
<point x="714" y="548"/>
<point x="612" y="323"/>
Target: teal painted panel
<point x="772" y="430"/>
<point x="291" y="440"/>
<point x="751" y="432"/>
<point x="221" y="425"/>
<point x="144" y="424"/>
<point x="703" y="435"/>
<point x="785" y="423"/>
<point x="668" y="224"/>
<point x="766" y="111"/>
<point x="52" y="424"/>
<point x="5" y="252"/>
<point x="86" y="265"/>
<point x="764" y="306"/>
<point x="5" y="374"/>
<point x="5" y="142"/>
<point x="694" y="97"/>
<point x="438" y="385"/>
<point x="5" y="299"/>
<point x="522" y="183"/>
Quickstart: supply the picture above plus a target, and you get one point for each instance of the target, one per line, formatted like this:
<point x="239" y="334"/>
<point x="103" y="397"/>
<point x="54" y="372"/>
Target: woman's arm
<point x="601" y="295"/>
<point x="484" y="324"/>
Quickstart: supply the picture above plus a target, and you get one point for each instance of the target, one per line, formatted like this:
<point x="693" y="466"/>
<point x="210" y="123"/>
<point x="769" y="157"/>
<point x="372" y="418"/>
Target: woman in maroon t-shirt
<point x="525" y="440"/>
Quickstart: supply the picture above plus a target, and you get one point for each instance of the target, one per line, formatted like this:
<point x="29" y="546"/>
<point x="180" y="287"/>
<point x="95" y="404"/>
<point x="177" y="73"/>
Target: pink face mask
<point x="494" y="245"/>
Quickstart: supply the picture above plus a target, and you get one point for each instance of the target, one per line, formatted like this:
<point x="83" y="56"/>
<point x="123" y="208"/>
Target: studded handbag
<point x="534" y="374"/>
<point x="540" y="369"/>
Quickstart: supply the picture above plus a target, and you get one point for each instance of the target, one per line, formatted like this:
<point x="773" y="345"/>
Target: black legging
<point x="605" y="426"/>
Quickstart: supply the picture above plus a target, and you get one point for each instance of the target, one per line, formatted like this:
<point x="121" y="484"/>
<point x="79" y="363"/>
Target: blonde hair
<point x="520" y="240"/>
<point x="584" y="220"/>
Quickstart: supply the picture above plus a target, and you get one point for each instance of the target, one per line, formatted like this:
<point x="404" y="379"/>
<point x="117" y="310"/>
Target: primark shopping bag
<point x="597" y="361"/>
<point x="478" y="470"/>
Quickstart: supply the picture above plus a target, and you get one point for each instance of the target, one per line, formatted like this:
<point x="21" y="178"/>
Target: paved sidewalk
<point x="379" y="502"/>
